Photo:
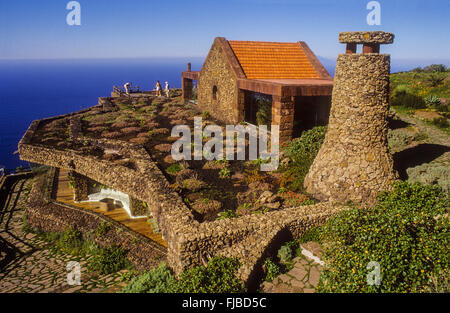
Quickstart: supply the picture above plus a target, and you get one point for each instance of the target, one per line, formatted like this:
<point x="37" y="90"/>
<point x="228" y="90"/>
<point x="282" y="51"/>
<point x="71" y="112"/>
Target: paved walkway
<point x="303" y="277"/>
<point x="27" y="265"/>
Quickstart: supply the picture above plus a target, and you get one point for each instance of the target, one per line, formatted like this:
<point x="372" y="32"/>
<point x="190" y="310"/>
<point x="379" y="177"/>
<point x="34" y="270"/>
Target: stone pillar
<point x="354" y="162"/>
<point x="283" y="115"/>
<point x="138" y="207"/>
<point x="186" y="89"/>
<point x="80" y="184"/>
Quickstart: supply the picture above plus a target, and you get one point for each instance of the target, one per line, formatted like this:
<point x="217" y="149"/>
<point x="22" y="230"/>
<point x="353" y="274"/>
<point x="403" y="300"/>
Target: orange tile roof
<point x="273" y="60"/>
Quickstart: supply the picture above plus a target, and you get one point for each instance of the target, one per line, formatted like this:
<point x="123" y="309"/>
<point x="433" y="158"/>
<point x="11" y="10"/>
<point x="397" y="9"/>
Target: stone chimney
<point x="354" y="162"/>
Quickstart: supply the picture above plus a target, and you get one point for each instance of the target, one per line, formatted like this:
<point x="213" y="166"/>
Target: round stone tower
<point x="354" y="162"/>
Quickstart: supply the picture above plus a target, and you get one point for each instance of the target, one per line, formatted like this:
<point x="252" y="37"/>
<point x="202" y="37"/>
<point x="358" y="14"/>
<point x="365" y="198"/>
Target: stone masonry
<point x="354" y="162"/>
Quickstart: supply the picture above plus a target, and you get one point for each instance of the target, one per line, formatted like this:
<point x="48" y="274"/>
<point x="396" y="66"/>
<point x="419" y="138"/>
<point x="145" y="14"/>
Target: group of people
<point x="166" y="89"/>
<point x="158" y="88"/>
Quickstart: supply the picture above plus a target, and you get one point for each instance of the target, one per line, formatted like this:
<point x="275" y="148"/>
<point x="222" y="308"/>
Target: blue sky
<point x="186" y="28"/>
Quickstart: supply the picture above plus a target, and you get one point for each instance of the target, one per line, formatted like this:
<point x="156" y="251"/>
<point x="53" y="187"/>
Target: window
<point x="214" y="93"/>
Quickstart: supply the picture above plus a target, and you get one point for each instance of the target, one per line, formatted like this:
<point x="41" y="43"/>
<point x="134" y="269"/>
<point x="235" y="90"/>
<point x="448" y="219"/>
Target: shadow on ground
<point x="417" y="155"/>
<point x="396" y="124"/>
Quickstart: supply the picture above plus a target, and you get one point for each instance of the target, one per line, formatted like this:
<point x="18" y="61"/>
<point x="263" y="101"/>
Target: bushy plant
<point x="398" y="139"/>
<point x="109" y="260"/>
<point x="433" y="101"/>
<point x="406" y="232"/>
<point x="402" y="95"/>
<point x="285" y="254"/>
<point x="272" y="270"/>
<point x="430" y="174"/>
<point x="302" y="152"/>
<point x="158" y="280"/>
<point x="217" y="277"/>
<point x="174" y="168"/>
<point x="224" y="172"/>
<point x="226" y="214"/>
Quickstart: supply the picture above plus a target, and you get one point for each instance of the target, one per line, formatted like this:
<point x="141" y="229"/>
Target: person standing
<point x="158" y="89"/>
<point x="127" y="88"/>
<point x="167" y="89"/>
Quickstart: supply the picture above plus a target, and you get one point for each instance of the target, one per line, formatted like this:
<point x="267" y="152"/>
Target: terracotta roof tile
<point x="273" y="60"/>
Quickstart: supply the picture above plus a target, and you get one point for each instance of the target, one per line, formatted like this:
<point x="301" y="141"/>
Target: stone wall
<point x="190" y="243"/>
<point x="354" y="162"/>
<point x="217" y="72"/>
<point x="48" y="215"/>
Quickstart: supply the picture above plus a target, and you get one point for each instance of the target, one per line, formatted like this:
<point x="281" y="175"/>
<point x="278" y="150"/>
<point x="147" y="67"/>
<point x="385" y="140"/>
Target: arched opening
<point x="214" y="92"/>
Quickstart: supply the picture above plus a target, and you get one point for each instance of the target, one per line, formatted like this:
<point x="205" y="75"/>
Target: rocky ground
<point x="27" y="265"/>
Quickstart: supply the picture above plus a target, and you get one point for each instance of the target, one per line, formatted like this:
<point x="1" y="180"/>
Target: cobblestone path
<point x="26" y="263"/>
<point x="303" y="277"/>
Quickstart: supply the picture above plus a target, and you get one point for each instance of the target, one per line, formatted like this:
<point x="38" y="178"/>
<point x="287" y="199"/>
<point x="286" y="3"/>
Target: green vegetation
<point x="104" y="260"/>
<point x="272" y="270"/>
<point x="174" y="168"/>
<point x="102" y="229"/>
<point x="264" y="113"/>
<point x="109" y="260"/>
<point x="217" y="277"/>
<point x="406" y="232"/>
<point x="301" y="152"/>
<point x="225" y="173"/>
<point x="430" y="174"/>
<point x="226" y="214"/>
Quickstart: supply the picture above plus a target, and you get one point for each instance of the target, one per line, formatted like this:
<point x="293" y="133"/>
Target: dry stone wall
<point x="249" y="238"/>
<point x="48" y="215"/>
<point x="217" y="72"/>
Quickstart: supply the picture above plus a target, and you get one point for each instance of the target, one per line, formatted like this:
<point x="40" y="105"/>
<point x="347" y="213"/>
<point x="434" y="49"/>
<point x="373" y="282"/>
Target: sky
<point x="186" y="28"/>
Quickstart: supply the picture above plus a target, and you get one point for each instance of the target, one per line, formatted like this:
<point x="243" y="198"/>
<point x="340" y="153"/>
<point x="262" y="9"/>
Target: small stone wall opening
<point x="214" y="93"/>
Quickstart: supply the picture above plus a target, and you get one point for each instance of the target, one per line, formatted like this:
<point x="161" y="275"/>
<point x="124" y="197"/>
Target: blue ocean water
<point x="34" y="89"/>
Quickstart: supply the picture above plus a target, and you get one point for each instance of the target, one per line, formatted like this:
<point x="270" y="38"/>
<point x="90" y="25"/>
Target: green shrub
<point x="285" y="254"/>
<point x="102" y="229"/>
<point x="406" y="232"/>
<point x="225" y="172"/>
<point x="433" y="101"/>
<point x="109" y="260"/>
<point x="441" y="122"/>
<point x="226" y="214"/>
<point x="403" y="96"/>
<point x="272" y="270"/>
<point x="302" y="152"/>
<point x="158" y="280"/>
<point x="430" y="174"/>
<point x="217" y="277"/>
<point x="173" y="169"/>
<point x="398" y="139"/>
<point x="313" y="234"/>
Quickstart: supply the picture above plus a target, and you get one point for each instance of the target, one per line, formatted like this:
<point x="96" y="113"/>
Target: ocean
<point x="34" y="89"/>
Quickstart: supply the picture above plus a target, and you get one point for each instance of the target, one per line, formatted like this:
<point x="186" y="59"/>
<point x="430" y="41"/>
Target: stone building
<point x="238" y="75"/>
<point x="354" y="162"/>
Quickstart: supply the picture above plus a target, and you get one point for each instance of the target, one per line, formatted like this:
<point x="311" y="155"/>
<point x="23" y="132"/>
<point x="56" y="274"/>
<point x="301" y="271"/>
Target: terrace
<point x="124" y="144"/>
